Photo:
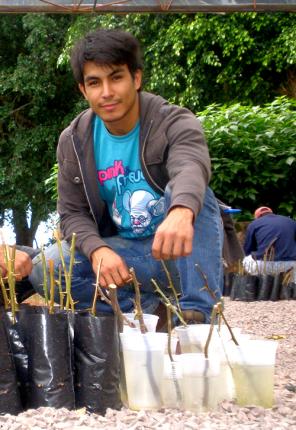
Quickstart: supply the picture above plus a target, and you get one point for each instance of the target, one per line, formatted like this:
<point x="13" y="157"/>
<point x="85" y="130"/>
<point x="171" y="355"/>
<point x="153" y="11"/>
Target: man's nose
<point x="106" y="89"/>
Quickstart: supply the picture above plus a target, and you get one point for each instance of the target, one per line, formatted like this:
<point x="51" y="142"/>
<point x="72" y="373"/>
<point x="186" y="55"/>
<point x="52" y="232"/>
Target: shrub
<point x="253" y="151"/>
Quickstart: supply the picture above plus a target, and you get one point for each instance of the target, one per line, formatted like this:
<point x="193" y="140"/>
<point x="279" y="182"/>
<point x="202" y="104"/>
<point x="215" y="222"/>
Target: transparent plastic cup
<point x="143" y="356"/>
<point x="193" y="338"/>
<point x="227" y="387"/>
<point x="200" y="382"/>
<point x="174" y="342"/>
<point x="172" y="383"/>
<point x="224" y="332"/>
<point x="252" y="364"/>
<point x="150" y="321"/>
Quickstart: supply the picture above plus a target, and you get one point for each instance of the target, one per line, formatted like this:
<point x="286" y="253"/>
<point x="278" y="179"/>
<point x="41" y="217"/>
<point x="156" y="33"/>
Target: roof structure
<point x="127" y="6"/>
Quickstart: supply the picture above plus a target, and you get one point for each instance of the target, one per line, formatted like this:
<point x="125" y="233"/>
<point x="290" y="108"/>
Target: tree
<point x="35" y="97"/>
<point x="199" y="59"/>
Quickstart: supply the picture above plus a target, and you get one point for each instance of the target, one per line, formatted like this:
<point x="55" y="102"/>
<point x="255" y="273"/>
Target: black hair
<point x="106" y="47"/>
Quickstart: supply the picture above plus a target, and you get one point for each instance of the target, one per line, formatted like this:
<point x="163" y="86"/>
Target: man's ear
<point x="82" y="90"/>
<point x="138" y="79"/>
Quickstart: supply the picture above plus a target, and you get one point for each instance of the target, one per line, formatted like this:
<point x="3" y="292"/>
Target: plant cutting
<point x="67" y="271"/>
<point x="218" y="307"/>
<point x="9" y="258"/>
<point x="111" y="299"/>
<point x="137" y="302"/>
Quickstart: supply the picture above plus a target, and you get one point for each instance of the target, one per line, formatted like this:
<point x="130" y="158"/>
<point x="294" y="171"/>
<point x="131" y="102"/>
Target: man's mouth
<point x="109" y="106"/>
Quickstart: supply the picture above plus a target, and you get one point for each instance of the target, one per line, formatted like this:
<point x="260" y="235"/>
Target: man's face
<point x="111" y="92"/>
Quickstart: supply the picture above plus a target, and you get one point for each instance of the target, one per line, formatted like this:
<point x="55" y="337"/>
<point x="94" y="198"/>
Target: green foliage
<point x="198" y="59"/>
<point x="253" y="152"/>
<point x="51" y="183"/>
<point x="35" y="100"/>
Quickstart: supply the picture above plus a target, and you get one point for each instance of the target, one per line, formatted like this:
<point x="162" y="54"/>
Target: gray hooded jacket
<point x="173" y="152"/>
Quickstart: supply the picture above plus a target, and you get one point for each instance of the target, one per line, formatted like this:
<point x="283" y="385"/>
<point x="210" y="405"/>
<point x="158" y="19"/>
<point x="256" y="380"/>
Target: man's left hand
<point x="174" y="236"/>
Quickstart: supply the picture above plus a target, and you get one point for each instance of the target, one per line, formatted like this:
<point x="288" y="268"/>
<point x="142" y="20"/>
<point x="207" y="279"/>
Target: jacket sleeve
<point x="188" y="162"/>
<point x="72" y="205"/>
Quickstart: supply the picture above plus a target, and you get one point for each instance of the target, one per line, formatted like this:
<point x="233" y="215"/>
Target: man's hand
<point x="22" y="264"/>
<point x="174" y="236"/>
<point x="113" y="268"/>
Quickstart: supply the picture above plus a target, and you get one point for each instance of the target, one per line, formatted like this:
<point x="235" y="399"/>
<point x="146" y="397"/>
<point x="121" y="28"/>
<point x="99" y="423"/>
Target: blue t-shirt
<point x="134" y="206"/>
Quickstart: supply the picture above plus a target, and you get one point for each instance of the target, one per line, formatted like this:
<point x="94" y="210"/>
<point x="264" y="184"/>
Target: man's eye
<point x="92" y="83"/>
<point x="117" y="77"/>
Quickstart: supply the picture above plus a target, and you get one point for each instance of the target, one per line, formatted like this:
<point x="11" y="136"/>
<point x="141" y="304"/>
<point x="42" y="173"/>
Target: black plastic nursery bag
<point x="48" y="341"/>
<point x="97" y="362"/>
<point x="293" y="290"/>
<point x="277" y="286"/>
<point x="19" y="351"/>
<point x="228" y="282"/>
<point x="10" y="402"/>
<point x="244" y="288"/>
<point x="286" y="292"/>
<point x="265" y="286"/>
<point x="236" y="292"/>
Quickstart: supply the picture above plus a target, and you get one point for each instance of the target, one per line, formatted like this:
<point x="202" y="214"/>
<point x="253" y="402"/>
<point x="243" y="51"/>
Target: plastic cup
<point x="184" y="338"/>
<point x="174" y="342"/>
<point x="193" y="338"/>
<point x="143" y="356"/>
<point x="224" y="332"/>
<point x="150" y="321"/>
<point x="252" y="364"/>
<point x="172" y="388"/>
<point x="200" y="382"/>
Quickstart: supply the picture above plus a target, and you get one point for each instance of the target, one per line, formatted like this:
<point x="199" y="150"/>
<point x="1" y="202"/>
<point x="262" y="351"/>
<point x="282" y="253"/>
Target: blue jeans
<point x="207" y="253"/>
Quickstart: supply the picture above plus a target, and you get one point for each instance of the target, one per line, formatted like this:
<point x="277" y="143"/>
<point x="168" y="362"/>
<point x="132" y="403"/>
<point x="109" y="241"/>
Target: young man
<point x="133" y="185"/>
<point x="270" y="243"/>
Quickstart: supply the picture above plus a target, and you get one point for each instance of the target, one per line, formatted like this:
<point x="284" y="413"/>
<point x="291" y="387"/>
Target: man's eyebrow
<point x="90" y="78"/>
<point x="116" y="70"/>
<point x="113" y="72"/>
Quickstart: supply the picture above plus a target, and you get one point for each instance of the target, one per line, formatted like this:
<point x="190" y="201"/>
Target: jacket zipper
<point x="87" y="197"/>
<point x="143" y="161"/>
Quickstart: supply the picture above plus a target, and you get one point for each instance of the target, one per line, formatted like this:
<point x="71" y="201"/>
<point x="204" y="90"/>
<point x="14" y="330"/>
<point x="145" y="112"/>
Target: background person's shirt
<point x="134" y="206"/>
<point x="278" y="230"/>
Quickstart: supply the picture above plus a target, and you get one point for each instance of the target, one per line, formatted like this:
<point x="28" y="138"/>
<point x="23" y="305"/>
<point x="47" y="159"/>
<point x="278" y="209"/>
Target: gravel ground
<point x="260" y="319"/>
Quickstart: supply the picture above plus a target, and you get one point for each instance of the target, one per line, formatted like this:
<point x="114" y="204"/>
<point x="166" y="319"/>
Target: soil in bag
<point x="97" y="362"/>
<point x="265" y="286"/>
<point x="10" y="402"/>
<point x="47" y="338"/>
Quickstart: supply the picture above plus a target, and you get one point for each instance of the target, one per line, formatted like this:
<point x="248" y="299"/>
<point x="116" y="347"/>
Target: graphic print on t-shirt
<point x="134" y="206"/>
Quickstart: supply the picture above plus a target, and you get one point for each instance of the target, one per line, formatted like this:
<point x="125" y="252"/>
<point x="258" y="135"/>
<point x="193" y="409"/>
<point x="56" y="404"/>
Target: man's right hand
<point x="113" y="268"/>
<point x="22" y="264"/>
